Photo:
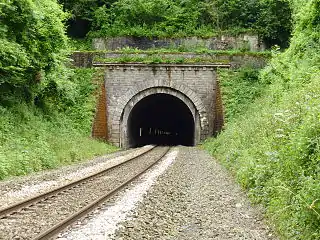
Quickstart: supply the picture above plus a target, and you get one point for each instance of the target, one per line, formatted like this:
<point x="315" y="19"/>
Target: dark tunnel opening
<point x="161" y="119"/>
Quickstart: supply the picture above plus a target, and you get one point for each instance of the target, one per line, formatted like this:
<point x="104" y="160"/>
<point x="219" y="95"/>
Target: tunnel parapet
<point x="235" y="60"/>
<point x="193" y="85"/>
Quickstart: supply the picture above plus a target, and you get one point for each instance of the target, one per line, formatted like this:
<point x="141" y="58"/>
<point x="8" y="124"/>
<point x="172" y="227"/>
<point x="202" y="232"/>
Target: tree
<point x="33" y="43"/>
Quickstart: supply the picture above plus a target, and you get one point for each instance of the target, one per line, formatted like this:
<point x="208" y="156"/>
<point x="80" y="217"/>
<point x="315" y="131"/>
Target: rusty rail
<point x="82" y="212"/>
<point x="44" y="196"/>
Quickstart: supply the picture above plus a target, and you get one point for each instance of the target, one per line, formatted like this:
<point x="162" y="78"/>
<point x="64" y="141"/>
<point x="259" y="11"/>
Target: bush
<point x="274" y="147"/>
<point x="240" y="88"/>
<point x="32" y="139"/>
<point x="33" y="44"/>
<point x="271" y="19"/>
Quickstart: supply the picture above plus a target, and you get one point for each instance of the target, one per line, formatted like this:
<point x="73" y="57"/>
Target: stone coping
<point x="215" y="65"/>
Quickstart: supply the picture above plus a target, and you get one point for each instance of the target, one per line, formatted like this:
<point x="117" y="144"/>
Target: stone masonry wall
<point x="223" y="42"/>
<point x="124" y="81"/>
<point x="87" y="59"/>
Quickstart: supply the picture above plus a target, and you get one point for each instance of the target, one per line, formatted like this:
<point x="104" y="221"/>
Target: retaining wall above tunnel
<point x="194" y="85"/>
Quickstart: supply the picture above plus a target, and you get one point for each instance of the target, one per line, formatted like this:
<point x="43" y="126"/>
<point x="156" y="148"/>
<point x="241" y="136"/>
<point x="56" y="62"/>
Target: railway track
<point x="99" y="187"/>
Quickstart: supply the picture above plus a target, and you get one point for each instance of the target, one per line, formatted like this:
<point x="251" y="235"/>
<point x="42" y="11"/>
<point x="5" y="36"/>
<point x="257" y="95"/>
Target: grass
<point x="271" y="141"/>
<point x="273" y="146"/>
<point x="180" y="50"/>
<point x="33" y="139"/>
<point x="157" y="59"/>
<point x="240" y="87"/>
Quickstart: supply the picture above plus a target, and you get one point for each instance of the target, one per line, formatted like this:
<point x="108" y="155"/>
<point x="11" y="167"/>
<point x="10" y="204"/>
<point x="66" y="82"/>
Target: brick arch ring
<point x="133" y="96"/>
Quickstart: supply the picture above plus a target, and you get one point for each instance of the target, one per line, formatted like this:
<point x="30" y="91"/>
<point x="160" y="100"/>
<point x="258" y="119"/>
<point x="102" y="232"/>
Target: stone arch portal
<point x="160" y="115"/>
<point x="197" y="86"/>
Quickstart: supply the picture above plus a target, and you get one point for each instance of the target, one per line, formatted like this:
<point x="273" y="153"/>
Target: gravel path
<point x="195" y="199"/>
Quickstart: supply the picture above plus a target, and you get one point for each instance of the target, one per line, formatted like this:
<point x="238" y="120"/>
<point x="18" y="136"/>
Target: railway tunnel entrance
<point x="161" y="119"/>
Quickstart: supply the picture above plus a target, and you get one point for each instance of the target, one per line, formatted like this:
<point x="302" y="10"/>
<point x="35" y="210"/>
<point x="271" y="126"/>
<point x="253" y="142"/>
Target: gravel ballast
<point x="187" y="196"/>
<point x="45" y="214"/>
<point x="195" y="199"/>
<point x="102" y="223"/>
<point x="19" y="188"/>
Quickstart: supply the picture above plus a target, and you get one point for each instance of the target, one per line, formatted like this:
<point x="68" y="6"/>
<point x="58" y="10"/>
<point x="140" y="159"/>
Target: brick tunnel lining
<point x="161" y="119"/>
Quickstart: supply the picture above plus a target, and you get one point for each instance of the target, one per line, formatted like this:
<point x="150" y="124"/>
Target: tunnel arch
<point x="116" y="129"/>
<point x="160" y="119"/>
<point x="162" y="95"/>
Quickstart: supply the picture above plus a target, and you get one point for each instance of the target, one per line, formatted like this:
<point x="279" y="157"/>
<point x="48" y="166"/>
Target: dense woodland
<point x="271" y="140"/>
<point x="34" y="45"/>
<point x="271" y="19"/>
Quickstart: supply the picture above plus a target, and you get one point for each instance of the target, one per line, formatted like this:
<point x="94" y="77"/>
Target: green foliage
<point x="33" y="44"/>
<point x="80" y="45"/>
<point x="83" y="8"/>
<point x="32" y="139"/>
<point x="157" y="59"/>
<point x="80" y="108"/>
<point x="40" y="142"/>
<point x="147" y="18"/>
<point x="46" y="109"/>
<point x="274" y="23"/>
<point x="271" y="19"/>
<point x="273" y="148"/>
<point x="239" y="89"/>
<point x="167" y="18"/>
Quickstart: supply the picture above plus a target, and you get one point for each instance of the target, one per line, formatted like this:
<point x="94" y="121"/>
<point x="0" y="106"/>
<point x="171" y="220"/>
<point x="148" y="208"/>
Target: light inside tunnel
<point x="161" y="119"/>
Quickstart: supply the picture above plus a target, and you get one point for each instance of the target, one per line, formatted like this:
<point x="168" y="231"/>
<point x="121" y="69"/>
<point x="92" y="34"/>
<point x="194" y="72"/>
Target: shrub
<point x="32" y="139"/>
<point x="273" y="147"/>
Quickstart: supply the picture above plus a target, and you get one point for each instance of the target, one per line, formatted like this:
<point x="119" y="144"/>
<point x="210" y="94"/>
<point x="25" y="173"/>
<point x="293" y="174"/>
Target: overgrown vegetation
<point x="273" y="148"/>
<point x="181" y="49"/>
<point x="161" y="59"/>
<point x="157" y="59"/>
<point x="34" y="139"/>
<point x="271" y="19"/>
<point x="46" y="108"/>
<point x="173" y="55"/>
<point x="240" y="87"/>
<point x="33" y="48"/>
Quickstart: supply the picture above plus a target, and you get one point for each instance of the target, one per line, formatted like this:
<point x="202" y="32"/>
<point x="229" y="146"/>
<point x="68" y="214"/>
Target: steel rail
<point x="53" y="231"/>
<point x="44" y="196"/>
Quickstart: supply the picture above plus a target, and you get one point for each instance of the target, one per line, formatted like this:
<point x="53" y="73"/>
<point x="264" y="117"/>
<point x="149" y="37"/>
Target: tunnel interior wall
<point x="160" y="119"/>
